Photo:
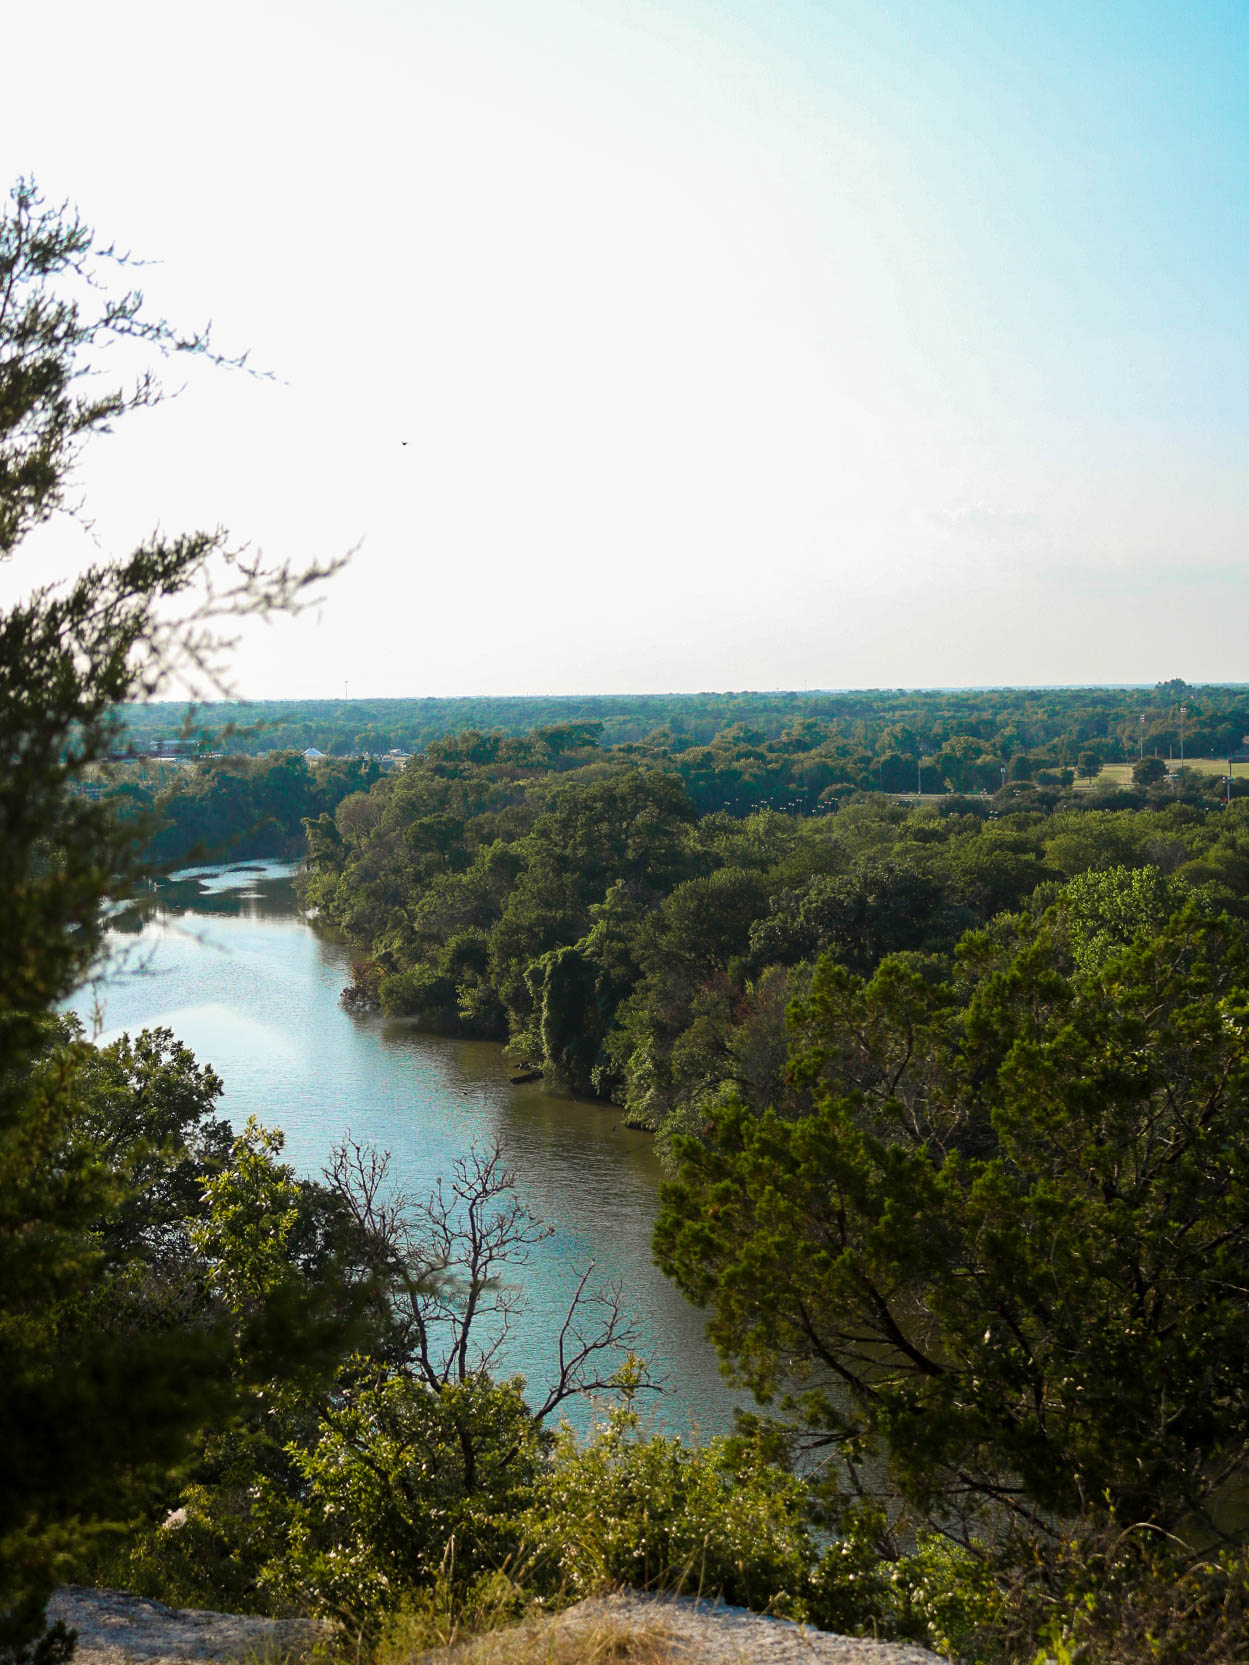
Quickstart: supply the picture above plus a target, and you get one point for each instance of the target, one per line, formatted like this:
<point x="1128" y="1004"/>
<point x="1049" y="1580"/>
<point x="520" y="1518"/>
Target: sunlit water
<point x="227" y="962"/>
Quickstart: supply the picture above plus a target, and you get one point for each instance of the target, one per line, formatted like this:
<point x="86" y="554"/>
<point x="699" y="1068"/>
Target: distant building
<point x="312" y="754"/>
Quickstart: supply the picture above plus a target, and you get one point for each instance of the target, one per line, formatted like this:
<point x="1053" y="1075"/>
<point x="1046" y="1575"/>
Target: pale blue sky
<point x="734" y="344"/>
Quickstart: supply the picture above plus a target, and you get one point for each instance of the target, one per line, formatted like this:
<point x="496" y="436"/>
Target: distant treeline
<point x="885" y="728"/>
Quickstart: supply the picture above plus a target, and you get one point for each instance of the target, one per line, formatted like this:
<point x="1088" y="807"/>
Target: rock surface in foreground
<point x="115" y="1629"/>
<point x="709" y="1633"/>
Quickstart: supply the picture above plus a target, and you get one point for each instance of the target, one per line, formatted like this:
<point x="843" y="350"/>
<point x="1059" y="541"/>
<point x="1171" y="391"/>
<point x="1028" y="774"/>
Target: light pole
<point x="1181" y="734"/>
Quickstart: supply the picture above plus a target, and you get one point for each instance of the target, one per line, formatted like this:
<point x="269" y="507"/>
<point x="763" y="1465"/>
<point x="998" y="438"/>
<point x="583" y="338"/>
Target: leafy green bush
<point x="1096" y="1595"/>
<point x="208" y="1553"/>
<point x="1133" y="1597"/>
<point x="422" y="992"/>
<point x="946" y="1597"/>
<point x="399" y="1480"/>
<point x="656" y="1514"/>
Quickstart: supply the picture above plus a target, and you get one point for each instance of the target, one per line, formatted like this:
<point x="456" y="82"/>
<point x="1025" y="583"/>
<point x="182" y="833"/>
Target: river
<point x="225" y="959"/>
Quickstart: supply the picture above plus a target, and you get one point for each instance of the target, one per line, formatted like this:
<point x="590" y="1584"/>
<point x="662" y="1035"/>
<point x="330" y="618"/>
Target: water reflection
<point x="224" y="959"/>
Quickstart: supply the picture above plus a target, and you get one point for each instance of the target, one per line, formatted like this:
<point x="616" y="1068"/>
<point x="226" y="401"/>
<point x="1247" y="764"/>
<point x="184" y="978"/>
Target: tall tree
<point x="1008" y="1249"/>
<point x="78" y="1400"/>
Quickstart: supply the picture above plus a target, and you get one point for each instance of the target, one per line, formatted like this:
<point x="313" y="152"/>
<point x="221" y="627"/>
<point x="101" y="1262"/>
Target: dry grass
<point x="573" y="1638"/>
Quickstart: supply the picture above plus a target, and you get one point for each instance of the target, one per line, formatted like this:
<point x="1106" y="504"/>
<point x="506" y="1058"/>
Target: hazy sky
<point x="734" y="343"/>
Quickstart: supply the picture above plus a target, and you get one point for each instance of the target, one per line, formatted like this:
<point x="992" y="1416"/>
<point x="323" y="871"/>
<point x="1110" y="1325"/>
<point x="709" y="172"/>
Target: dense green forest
<point x="628" y="920"/>
<point x="253" y="803"/>
<point x="876" y="736"/>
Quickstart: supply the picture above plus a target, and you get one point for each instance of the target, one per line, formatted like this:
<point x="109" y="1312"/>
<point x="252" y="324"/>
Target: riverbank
<point x="225" y="959"/>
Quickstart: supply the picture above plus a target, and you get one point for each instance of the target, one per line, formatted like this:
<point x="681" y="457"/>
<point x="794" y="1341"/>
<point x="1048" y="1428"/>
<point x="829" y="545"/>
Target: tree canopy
<point x="1005" y="1251"/>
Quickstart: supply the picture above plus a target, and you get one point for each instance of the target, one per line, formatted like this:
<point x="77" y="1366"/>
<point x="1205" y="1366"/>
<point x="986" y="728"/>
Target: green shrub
<point x="400" y="1481"/>
<point x="422" y="992"/>
<point x="1096" y="1596"/>
<point x="206" y="1555"/>
<point x="946" y="1597"/>
<point x="213" y="1549"/>
<point x="656" y="1514"/>
<point x="1136" y="1598"/>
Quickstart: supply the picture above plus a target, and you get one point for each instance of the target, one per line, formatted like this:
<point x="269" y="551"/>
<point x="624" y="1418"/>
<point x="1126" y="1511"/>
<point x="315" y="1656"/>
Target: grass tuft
<point x="572" y="1638"/>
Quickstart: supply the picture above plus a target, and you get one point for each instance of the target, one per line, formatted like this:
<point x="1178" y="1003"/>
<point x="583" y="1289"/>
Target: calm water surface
<point x="225" y="959"/>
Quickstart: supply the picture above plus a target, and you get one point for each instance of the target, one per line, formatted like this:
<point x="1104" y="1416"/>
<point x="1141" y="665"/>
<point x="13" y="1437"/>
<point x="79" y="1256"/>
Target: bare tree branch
<point x="450" y="1266"/>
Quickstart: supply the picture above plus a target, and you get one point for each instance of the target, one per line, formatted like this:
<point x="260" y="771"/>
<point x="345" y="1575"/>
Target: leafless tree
<point x="448" y="1269"/>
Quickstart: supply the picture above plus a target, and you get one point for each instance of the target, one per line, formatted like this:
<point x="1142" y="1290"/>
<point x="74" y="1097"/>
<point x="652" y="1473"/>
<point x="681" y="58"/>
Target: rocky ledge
<point x="115" y="1629"/>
